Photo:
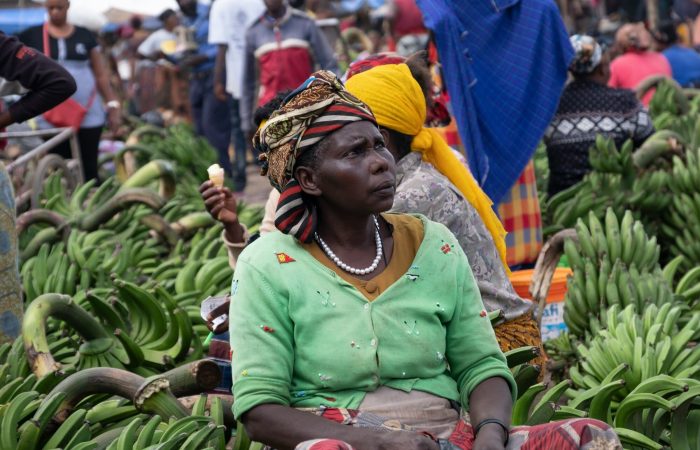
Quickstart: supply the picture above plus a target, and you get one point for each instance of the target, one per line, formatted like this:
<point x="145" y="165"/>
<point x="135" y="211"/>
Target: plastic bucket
<point x="553" y="314"/>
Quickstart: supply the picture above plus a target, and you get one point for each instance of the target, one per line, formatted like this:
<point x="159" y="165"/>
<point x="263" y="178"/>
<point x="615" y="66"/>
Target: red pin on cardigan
<point x="284" y="258"/>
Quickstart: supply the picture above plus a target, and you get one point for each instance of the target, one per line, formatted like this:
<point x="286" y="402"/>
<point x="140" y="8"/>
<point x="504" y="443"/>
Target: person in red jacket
<point x="282" y="49"/>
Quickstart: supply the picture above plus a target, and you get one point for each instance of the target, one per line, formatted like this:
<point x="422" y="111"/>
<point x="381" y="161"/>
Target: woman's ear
<point x="308" y="181"/>
<point x="385" y="135"/>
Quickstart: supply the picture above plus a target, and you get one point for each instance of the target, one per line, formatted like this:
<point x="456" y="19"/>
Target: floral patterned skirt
<point x="572" y="434"/>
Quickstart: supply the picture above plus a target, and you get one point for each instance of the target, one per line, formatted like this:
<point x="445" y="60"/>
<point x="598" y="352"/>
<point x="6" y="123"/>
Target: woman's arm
<point x="105" y="90"/>
<point x="486" y="385"/>
<point x="283" y="428"/>
<point x="491" y="400"/>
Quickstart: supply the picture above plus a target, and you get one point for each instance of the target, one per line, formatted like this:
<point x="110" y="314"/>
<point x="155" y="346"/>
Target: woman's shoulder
<point x="419" y="223"/>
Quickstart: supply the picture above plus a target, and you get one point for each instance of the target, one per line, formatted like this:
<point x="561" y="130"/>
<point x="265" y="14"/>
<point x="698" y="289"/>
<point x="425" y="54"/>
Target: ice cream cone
<point x="216" y="175"/>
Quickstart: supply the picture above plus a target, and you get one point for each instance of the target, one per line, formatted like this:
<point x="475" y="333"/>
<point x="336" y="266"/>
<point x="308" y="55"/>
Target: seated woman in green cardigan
<point x="357" y="329"/>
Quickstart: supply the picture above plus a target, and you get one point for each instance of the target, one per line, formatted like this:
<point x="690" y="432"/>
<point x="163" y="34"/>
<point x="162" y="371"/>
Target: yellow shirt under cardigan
<point x="302" y="336"/>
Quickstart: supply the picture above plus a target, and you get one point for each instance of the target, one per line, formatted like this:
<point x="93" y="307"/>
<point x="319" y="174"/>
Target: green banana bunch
<point x="648" y="345"/>
<point x="614" y="263"/>
<point x="606" y="158"/>
<point x="681" y="226"/>
<point x="526" y="412"/>
<point x="686" y="173"/>
<point x="650" y="192"/>
<point x="560" y="350"/>
<point x="595" y="193"/>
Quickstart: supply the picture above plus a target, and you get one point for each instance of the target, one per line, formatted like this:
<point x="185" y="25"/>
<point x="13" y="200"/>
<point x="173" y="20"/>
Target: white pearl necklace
<point x="327" y="250"/>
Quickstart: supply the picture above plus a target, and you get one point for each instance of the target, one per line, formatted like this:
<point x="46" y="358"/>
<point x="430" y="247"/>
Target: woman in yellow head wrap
<point x="432" y="181"/>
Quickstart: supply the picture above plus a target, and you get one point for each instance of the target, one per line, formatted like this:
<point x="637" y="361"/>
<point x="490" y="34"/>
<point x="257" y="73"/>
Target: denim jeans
<point x="240" y="147"/>
<point x="211" y="117"/>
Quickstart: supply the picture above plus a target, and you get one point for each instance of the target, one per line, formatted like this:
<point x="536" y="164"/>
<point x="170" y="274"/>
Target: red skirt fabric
<point x="572" y="434"/>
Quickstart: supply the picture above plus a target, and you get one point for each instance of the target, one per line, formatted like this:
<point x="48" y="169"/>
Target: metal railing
<point x="58" y="136"/>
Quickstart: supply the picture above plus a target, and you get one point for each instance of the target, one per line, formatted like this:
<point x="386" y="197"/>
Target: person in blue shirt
<point x="684" y="61"/>
<point x="210" y="114"/>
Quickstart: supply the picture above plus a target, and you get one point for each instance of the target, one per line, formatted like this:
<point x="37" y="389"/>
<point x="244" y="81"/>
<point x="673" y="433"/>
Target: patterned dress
<point x="422" y="189"/>
<point x="587" y="109"/>
<point x="10" y="287"/>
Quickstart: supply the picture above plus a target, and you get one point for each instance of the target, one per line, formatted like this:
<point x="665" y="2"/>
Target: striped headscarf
<point x="317" y="108"/>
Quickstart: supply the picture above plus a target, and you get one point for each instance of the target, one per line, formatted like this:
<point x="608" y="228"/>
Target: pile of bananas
<point x="190" y="155"/>
<point x="638" y="371"/>
<point x="614" y="263"/>
<point x="113" y="409"/>
<point x="127" y="327"/>
<point x="679" y="226"/>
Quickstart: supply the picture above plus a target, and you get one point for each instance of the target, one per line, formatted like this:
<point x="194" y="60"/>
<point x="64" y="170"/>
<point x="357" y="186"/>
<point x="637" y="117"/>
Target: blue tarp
<point x="13" y="21"/>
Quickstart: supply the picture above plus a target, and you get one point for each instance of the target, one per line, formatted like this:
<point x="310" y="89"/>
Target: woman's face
<point x="58" y="11"/>
<point x="355" y="171"/>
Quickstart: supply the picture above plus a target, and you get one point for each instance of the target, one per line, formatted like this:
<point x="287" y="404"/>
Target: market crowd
<point x="358" y="314"/>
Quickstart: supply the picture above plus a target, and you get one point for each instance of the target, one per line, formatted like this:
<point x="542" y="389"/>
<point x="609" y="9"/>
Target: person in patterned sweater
<point x="587" y="108"/>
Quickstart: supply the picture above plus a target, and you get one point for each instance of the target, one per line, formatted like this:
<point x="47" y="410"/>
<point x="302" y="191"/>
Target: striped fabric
<point x="520" y="213"/>
<point x="316" y="109"/>
<point x="293" y="215"/>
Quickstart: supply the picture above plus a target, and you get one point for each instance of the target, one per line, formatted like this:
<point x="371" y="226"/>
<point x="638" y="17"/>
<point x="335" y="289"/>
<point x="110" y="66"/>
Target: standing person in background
<point x="132" y="44"/>
<point x="21" y="69"/>
<point x="211" y="115"/>
<point x="406" y="25"/>
<point x="637" y="61"/>
<point x="155" y="75"/>
<point x="587" y="108"/>
<point x="684" y="61"/>
<point x="282" y="48"/>
<point x="76" y="50"/>
<point x="228" y="19"/>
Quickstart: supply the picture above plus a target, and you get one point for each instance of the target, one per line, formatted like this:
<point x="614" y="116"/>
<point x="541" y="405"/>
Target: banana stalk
<point x="138" y="134"/>
<point x="121" y="201"/>
<point x="193" y="378"/>
<point x="34" y="329"/>
<point x="34" y="216"/>
<point x="124" y="160"/>
<point x="45" y="236"/>
<point x="158" y="169"/>
<point x="148" y="395"/>
<point x="192" y="222"/>
<point x="161" y="226"/>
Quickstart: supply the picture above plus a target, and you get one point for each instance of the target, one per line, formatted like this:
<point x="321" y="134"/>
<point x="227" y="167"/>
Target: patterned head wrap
<point x="588" y="54"/>
<point x="317" y="108"/>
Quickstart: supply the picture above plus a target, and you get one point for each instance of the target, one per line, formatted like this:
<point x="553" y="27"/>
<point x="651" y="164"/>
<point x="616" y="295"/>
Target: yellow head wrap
<point x="398" y="103"/>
